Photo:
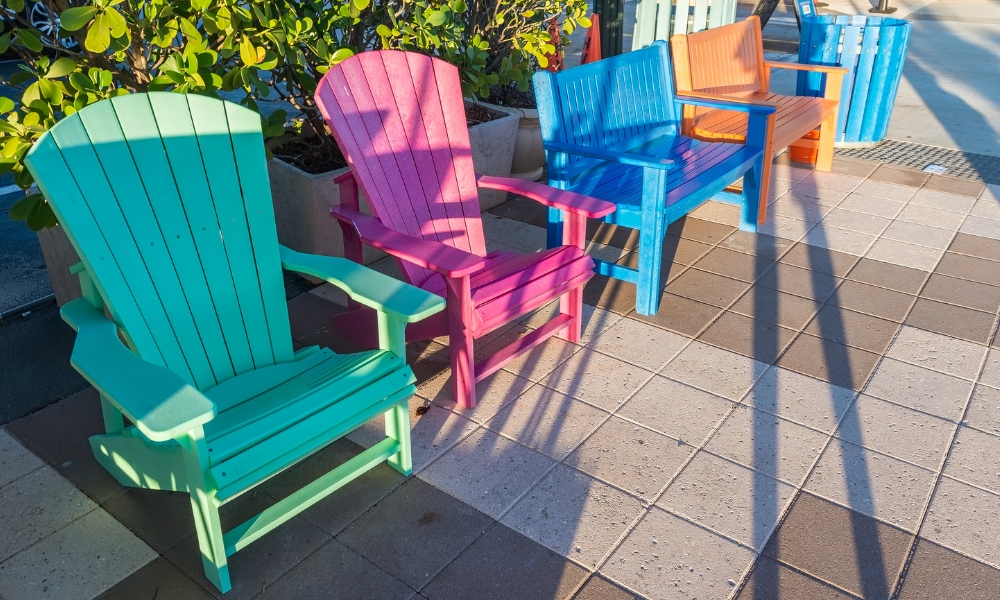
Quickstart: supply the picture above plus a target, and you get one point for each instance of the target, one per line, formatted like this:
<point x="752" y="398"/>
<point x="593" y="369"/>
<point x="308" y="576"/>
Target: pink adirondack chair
<point x="400" y="120"/>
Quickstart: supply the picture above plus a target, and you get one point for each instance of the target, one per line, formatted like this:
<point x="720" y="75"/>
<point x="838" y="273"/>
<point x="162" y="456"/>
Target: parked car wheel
<point x="47" y="23"/>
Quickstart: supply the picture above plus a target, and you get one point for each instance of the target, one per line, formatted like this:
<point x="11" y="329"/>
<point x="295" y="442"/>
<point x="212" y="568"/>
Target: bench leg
<point x="754" y="186"/>
<point x="397" y="427"/>
<point x="653" y="228"/>
<point x="824" y="155"/>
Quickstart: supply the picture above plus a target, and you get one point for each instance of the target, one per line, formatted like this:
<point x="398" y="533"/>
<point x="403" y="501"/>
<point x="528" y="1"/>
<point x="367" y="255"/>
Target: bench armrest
<point x="773" y="64"/>
<point x="158" y="401"/>
<point x="626" y="158"/>
<point x="440" y="258"/>
<point x="723" y="102"/>
<point x="587" y="206"/>
<point x="367" y="287"/>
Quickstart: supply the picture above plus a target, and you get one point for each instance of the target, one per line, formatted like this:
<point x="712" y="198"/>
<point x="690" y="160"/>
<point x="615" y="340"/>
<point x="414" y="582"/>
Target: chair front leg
<point x="463" y="377"/>
<point x="571" y="303"/>
<point x="828" y="129"/>
<point x="206" y="511"/>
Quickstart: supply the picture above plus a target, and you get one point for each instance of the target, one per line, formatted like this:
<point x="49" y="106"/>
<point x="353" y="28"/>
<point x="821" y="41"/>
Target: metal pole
<point x="884" y="8"/>
<point x="611" y="15"/>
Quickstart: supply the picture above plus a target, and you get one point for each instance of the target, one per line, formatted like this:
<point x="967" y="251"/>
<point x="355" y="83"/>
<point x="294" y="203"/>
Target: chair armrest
<point x="440" y="258"/>
<point x="592" y="208"/>
<point x="368" y="287"/>
<point x="773" y="64"/>
<point x="158" y="401"/>
<point x="625" y="158"/>
<point x="723" y="102"/>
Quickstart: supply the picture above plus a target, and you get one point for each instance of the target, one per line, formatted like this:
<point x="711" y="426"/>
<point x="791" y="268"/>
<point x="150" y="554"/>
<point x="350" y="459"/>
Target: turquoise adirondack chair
<point x="166" y="199"/>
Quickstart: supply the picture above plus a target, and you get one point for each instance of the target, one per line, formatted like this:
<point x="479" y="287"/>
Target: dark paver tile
<point x="309" y="312"/>
<point x="758" y="244"/>
<point x="757" y="339"/>
<point x="830" y="361"/>
<point x="523" y="210"/>
<point x="887" y="275"/>
<point x="610" y="294"/>
<point x="699" y="230"/>
<point x="899" y="176"/>
<point x="974" y="245"/>
<point x="340" y="509"/>
<point x="336" y="567"/>
<point x="776" y="307"/>
<point x="962" y="292"/>
<point x="612" y="235"/>
<point x="969" y="267"/>
<point x="82" y="469"/>
<point x="956" y="321"/>
<point x="937" y="572"/>
<point x="504" y="564"/>
<point x="876" y="301"/>
<point x="158" y="580"/>
<point x="800" y="282"/>
<point x="683" y="251"/>
<point x="599" y="588"/>
<point x="669" y="268"/>
<point x="415" y="532"/>
<point x="820" y="259"/>
<point x="954" y="185"/>
<point x="683" y="315"/>
<point x="328" y="337"/>
<point x="854" y="168"/>
<point x="770" y="580"/>
<point x="736" y="265"/>
<point x="59" y="428"/>
<point x="841" y="546"/>
<point x="427" y="359"/>
<point x="707" y="287"/>
<point x="854" y="329"/>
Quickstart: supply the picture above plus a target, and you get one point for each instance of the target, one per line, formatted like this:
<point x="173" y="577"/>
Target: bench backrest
<point x="725" y="60"/>
<point x="660" y="19"/>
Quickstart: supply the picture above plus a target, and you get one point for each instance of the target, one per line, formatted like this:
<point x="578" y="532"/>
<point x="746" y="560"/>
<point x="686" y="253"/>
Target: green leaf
<point x="6" y="104"/>
<point x="31" y="39"/>
<point x="80" y="81"/>
<point x="62" y="67"/>
<point x="15" y="5"/>
<point x="73" y="19"/>
<point x="460" y="6"/>
<point x="585" y="22"/>
<point x="19" y="78"/>
<point x="188" y="29"/>
<point x="116" y="22"/>
<point x="4" y="42"/>
<point x="99" y="35"/>
<point x="341" y="54"/>
<point x="436" y="18"/>
<point x="248" y="54"/>
<point x="200" y="5"/>
<point x="39" y="216"/>
<point x="23" y="207"/>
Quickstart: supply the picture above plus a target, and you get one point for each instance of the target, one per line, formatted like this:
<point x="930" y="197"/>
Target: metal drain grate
<point x="966" y="165"/>
<point x="953" y="18"/>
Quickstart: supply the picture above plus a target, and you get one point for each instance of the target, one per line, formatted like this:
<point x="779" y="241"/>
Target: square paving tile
<point x="667" y="557"/>
<point x="715" y="370"/>
<point x="758" y="244"/>
<point x="939" y="352"/>
<point x="680" y="411"/>
<point x="831" y="361"/>
<point x="786" y="228"/>
<point x="574" y="514"/>
<point x="987" y="207"/>
<point x="943" y="200"/>
<point x="158" y="579"/>
<point x="970" y="267"/>
<point x="854" y="329"/>
<point x="15" y="460"/>
<point x="496" y="227"/>
<point x="682" y="315"/>
<point x="841" y="546"/>
<point x="727" y="214"/>
<point x="415" y="532"/>
<point x="954" y="185"/>
<point x="771" y="306"/>
<point x="871" y="300"/>
<point x="756" y="339"/>
<point x="59" y="428"/>
<point x="800" y="398"/>
<point x="309" y="312"/>
<point x="854" y="168"/>
<point x="936" y="572"/>
<point x="506" y="564"/>
<point x="955" y="321"/>
<point x="991" y="370"/>
<point x="973" y="459"/>
<point x="336" y="567"/>
<point x="832" y="181"/>
<point x="595" y="320"/>
<point x="871" y="483"/>
<point x="970" y="294"/>
<point x="964" y="518"/>
<point x="599" y="588"/>
<point x="979" y="226"/>
<point x="700" y="231"/>
<point x="610" y="294"/>
<point x="634" y="458"/>
<point x="492" y="394"/>
<point x="427" y="359"/>
<point x="735" y="501"/>
<point x="975" y="245"/>
<point x="921" y="235"/>
<point x="736" y="265"/>
<point x="522" y="209"/>
<point x="82" y="470"/>
<point x="769" y="444"/>
<point x="612" y="235"/>
<point x="984" y="409"/>
<point x="819" y="259"/>
<point x="529" y="238"/>
<point x="537" y="363"/>
<point x="897" y="431"/>
<point x="836" y="239"/>
<point x="800" y="207"/>
<point x="900" y="176"/>
<point x="637" y="343"/>
<point x="601" y="380"/>
<point x="871" y="205"/>
<point x="785" y="170"/>
<point x="683" y="251"/>
<point x="904" y="254"/>
<point x="707" y="287"/>
<point x="888" y="275"/>
<point x="916" y="387"/>
<point x="161" y="519"/>
<point x="888" y="190"/>
<point x="770" y="579"/>
<point x="813" y="285"/>
<point x="487" y="471"/>
<point x="669" y="271"/>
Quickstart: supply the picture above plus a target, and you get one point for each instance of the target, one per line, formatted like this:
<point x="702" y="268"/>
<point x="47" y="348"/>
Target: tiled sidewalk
<point x="814" y="413"/>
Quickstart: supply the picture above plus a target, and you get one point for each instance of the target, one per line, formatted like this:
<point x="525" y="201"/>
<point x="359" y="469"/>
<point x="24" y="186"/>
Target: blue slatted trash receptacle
<point x="873" y="49"/>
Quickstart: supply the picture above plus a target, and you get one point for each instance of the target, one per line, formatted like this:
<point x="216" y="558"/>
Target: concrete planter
<point x="493" y="151"/>
<point x="529" y="156"/>
<point x="59" y="256"/>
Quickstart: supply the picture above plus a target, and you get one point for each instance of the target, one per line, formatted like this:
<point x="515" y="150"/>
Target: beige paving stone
<point x="986" y="207"/>
<point x="921" y="235"/>
<point x="784" y="227"/>
<point x="528" y="238"/>
<point x="595" y="320"/>
<point x="574" y="515"/>
<point x="975" y="459"/>
<point x="916" y="387"/>
<point x="904" y="254"/>
<point x="718" y="212"/>
<point x="991" y="192"/>
<point x="871" y="205"/>
<point x="638" y="343"/>
<point x="431" y="433"/>
<point x="832" y="181"/>
<point x="938" y="352"/>
<point x="889" y="191"/>
<point x="778" y="187"/>
<point x="35" y="506"/>
<point x="634" y="458"/>
<point x="984" y="409"/>
<point x="492" y="394"/>
<point x="841" y="240"/>
<point x="496" y="227"/>
<point x="667" y="557"/>
<point x="768" y="444"/>
<point x="547" y="421"/>
<point x="598" y="379"/>
<point x="538" y="362"/>
<point x="871" y="483"/>
<point x="806" y="191"/>
<point x="680" y="411"/>
<point x="801" y="209"/>
<point x="989" y="228"/>
<point x="494" y="246"/>
<point x="842" y="218"/>
<point x="932" y="217"/>
<point x="487" y="471"/>
<point x="15" y="460"/>
<point x="331" y="293"/>
<point x="610" y="254"/>
<point x="789" y="173"/>
<point x="991" y="370"/>
<point x="715" y="370"/>
<point x="966" y="519"/>
<point x="943" y="200"/>
<point x="897" y="431"/>
<point x="800" y="398"/>
<point x="78" y="561"/>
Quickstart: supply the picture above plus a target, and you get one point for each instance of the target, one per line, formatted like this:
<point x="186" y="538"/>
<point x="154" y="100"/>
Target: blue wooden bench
<point x="611" y="130"/>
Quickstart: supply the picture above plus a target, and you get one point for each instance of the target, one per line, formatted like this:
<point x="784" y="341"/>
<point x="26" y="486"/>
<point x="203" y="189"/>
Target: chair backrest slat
<point x="725" y="60"/>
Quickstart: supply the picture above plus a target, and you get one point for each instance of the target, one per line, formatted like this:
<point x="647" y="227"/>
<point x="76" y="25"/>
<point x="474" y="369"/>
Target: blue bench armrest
<point x="625" y="158"/>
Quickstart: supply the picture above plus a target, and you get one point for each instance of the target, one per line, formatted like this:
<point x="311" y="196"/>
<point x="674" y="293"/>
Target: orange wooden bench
<point x="727" y="63"/>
